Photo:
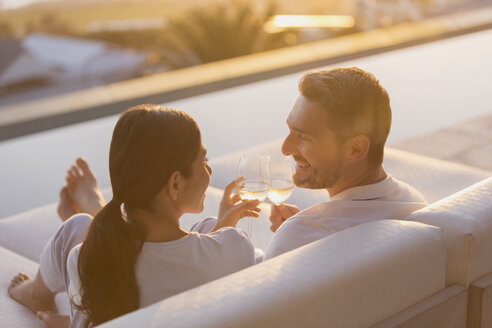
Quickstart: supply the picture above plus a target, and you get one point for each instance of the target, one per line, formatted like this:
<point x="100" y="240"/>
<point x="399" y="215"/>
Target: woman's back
<point x="168" y="268"/>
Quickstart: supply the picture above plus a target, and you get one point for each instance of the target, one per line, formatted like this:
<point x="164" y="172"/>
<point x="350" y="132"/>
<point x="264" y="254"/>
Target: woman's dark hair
<point x="149" y="143"/>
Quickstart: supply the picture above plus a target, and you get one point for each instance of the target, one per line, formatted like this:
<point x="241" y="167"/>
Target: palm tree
<point x="215" y="33"/>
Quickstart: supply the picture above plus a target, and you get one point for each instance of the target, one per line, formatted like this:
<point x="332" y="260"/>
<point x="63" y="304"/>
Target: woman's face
<point x="196" y="185"/>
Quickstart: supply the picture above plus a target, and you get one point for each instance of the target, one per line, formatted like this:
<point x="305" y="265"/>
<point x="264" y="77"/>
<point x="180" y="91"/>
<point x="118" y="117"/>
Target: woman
<point x="135" y="252"/>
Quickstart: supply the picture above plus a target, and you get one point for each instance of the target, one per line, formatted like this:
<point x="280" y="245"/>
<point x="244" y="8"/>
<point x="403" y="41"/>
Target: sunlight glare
<point x="281" y="22"/>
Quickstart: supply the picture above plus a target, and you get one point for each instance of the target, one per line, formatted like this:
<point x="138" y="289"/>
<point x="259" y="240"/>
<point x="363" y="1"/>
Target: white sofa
<point x="420" y="297"/>
<point x="466" y="220"/>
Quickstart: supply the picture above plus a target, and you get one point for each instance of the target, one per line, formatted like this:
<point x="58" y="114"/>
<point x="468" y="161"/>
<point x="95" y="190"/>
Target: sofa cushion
<point x="434" y="178"/>
<point x="26" y="233"/>
<point x="466" y="219"/>
<point x="354" y="278"/>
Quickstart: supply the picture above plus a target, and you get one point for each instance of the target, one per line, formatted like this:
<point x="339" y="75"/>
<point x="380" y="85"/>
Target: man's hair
<point x="356" y="103"/>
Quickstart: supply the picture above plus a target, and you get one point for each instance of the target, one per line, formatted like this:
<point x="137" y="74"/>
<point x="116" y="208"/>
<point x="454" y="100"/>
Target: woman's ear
<point x="357" y="148"/>
<point x="174" y="185"/>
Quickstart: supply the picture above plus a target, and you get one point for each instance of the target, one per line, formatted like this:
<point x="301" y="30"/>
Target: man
<point x="338" y="129"/>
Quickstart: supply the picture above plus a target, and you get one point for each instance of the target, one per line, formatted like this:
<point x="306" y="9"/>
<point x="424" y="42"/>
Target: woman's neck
<point x="161" y="227"/>
<point x="162" y="232"/>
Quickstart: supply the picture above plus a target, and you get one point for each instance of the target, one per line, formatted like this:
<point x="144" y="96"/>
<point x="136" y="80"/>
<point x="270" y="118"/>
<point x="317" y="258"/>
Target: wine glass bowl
<point x="255" y="168"/>
<point x="282" y="185"/>
<point x="253" y="189"/>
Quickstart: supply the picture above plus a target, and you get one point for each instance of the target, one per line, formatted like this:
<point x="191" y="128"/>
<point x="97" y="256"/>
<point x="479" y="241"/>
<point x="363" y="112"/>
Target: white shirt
<point x="168" y="268"/>
<point x="387" y="199"/>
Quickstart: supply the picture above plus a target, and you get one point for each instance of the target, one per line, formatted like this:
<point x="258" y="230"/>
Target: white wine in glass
<point x="253" y="189"/>
<point x="282" y="184"/>
<point x="255" y="169"/>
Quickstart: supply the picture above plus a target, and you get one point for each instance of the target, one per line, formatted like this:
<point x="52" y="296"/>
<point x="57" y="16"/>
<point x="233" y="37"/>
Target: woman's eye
<point x="304" y="137"/>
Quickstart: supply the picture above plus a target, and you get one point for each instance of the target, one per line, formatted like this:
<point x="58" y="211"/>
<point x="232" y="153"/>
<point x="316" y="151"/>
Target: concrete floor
<point x="468" y="143"/>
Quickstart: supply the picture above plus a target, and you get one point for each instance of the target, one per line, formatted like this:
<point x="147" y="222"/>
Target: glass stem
<point x="249" y="227"/>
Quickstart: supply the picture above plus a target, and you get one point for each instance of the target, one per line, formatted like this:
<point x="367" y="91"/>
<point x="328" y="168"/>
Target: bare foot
<point x="54" y="320"/>
<point x="26" y="291"/>
<point x="66" y="207"/>
<point x="83" y="189"/>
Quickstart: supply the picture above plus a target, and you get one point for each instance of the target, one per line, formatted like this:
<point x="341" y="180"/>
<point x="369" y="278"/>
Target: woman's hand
<point x="232" y="208"/>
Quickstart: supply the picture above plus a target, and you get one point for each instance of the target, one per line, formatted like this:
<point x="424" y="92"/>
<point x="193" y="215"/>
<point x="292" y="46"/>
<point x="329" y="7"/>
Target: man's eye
<point x="304" y="137"/>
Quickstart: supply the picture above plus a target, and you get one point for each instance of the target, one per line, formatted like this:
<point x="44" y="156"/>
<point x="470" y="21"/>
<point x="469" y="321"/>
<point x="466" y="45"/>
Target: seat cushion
<point x="466" y="219"/>
<point x="354" y="278"/>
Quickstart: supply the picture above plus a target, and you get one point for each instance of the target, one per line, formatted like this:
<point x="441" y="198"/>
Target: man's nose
<point x="288" y="146"/>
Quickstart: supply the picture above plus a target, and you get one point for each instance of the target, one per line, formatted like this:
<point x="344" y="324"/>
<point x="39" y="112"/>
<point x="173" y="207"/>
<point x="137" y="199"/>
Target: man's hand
<point x="232" y="209"/>
<point x="280" y="213"/>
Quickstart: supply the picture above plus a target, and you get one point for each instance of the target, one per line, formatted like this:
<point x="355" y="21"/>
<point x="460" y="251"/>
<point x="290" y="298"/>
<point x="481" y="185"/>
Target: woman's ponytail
<point x="106" y="265"/>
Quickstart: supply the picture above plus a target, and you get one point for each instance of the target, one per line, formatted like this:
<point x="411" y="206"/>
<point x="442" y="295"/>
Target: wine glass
<point x="257" y="178"/>
<point x="282" y="184"/>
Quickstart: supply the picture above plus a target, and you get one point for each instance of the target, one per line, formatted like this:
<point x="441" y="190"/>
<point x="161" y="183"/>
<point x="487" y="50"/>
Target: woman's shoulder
<point x="227" y="240"/>
<point x="227" y="234"/>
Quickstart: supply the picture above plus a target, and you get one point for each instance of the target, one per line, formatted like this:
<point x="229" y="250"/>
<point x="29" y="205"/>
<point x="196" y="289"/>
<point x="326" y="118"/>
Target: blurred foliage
<point x="49" y="23"/>
<point x="136" y="39"/>
<point x="219" y="32"/>
<point x="205" y="35"/>
<point x="6" y="30"/>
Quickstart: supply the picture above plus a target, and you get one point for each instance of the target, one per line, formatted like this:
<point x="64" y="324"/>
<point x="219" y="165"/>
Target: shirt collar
<point x="372" y="191"/>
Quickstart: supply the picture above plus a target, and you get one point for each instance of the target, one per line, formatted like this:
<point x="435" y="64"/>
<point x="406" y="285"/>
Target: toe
<point x="25" y="275"/>
<point x="71" y="183"/>
<point x="74" y="171"/>
<point x="84" y="167"/>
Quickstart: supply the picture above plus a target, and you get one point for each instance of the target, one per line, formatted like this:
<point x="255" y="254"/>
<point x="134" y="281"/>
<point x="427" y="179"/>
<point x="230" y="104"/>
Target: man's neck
<point x="369" y="176"/>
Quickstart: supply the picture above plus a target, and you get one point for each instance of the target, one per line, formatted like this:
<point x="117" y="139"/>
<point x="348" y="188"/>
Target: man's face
<point x="313" y="145"/>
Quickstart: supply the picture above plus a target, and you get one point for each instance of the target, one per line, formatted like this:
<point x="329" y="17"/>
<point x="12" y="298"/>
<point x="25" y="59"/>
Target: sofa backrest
<point x="354" y="278"/>
<point x="466" y="219"/>
<point x="28" y="232"/>
<point x="434" y="178"/>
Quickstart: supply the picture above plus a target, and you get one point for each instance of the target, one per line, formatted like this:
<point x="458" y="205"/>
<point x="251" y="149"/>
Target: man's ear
<point x="357" y="148"/>
<point x="174" y="185"/>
